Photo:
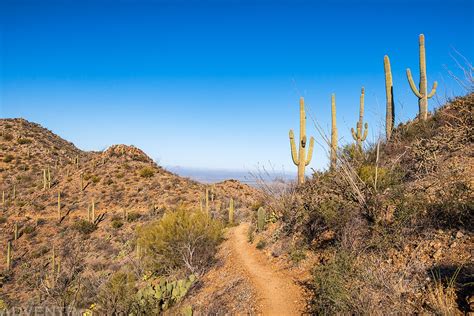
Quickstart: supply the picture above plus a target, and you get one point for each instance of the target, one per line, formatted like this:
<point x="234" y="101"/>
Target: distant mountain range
<point x="217" y="175"/>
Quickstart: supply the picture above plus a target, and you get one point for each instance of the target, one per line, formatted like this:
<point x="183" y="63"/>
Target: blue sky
<point x="215" y="84"/>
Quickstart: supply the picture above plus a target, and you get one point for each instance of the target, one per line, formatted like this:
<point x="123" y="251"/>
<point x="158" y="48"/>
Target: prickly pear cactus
<point x="160" y="294"/>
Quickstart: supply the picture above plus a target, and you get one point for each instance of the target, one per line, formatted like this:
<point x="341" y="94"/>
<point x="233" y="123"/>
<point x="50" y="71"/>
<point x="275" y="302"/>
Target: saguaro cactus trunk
<point x="333" y="154"/>
<point x="390" y="105"/>
<point x="422" y="92"/>
<point x="357" y="134"/>
<point x="300" y="159"/>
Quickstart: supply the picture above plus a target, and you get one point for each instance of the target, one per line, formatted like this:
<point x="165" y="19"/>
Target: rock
<point x="459" y="235"/>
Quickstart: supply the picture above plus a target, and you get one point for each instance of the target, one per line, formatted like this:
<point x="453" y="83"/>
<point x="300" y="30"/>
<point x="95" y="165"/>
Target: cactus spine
<point x="357" y="134"/>
<point x="422" y="92"/>
<point x="300" y="159"/>
<point x="260" y="219"/>
<point x="333" y="154"/>
<point x="390" y="106"/>
<point x="231" y="211"/>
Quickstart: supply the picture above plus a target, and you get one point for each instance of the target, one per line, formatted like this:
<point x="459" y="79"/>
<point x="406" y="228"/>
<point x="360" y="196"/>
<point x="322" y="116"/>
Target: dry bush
<point x="441" y="298"/>
<point x="182" y="239"/>
<point x="117" y="295"/>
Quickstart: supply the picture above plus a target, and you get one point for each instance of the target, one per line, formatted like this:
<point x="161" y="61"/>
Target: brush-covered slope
<point x="126" y="187"/>
<point x="388" y="233"/>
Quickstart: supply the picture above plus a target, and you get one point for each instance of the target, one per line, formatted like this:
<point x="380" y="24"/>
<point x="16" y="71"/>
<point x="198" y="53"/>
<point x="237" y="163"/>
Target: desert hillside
<point x="124" y="187"/>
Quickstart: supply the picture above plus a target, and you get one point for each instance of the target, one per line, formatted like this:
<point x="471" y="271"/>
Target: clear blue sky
<point x="215" y="84"/>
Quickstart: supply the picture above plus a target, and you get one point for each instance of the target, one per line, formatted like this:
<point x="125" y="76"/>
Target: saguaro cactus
<point x="390" y="106"/>
<point x="15" y="233"/>
<point x="45" y="179"/>
<point x="301" y="160"/>
<point x="422" y="92"/>
<point x="260" y="219"/>
<point x="9" y="255"/>
<point x="231" y="211"/>
<point x="357" y="134"/>
<point x="207" y="201"/>
<point x="3" y="198"/>
<point x="59" y="205"/>
<point x="333" y="154"/>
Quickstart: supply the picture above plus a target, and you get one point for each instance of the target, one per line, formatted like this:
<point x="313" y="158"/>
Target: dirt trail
<point x="276" y="291"/>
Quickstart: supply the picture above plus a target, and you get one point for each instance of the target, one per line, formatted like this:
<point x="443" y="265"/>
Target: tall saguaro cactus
<point x="300" y="159"/>
<point x="231" y="211"/>
<point x="333" y="153"/>
<point x="9" y="255"/>
<point x="390" y="106"/>
<point x="59" y="205"/>
<point x="422" y="92"/>
<point x="357" y="134"/>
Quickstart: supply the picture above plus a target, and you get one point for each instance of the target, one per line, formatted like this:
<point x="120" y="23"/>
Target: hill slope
<point x="126" y="187"/>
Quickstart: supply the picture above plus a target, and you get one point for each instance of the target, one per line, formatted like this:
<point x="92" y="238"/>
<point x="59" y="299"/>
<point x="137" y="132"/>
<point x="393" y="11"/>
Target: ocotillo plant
<point x="390" y="105"/>
<point x="9" y="255"/>
<point x="300" y="159"/>
<point x="333" y="154"/>
<point x="357" y="134"/>
<point x="422" y="92"/>
<point x="261" y="219"/>
<point x="231" y="211"/>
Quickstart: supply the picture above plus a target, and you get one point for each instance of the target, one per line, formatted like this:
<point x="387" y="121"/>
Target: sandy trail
<point x="276" y="291"/>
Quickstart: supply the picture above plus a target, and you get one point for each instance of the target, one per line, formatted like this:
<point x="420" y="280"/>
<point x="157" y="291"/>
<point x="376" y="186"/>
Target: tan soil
<point x="276" y="291"/>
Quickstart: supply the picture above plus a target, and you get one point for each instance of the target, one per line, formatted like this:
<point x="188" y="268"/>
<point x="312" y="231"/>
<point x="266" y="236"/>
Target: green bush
<point x="23" y="141"/>
<point x="261" y="244"/>
<point x="182" y="239"/>
<point x="117" y="223"/>
<point x="331" y="288"/>
<point x="385" y="177"/>
<point x="146" y="172"/>
<point x="133" y="216"/>
<point x="84" y="227"/>
<point x="8" y="158"/>
<point x="117" y="295"/>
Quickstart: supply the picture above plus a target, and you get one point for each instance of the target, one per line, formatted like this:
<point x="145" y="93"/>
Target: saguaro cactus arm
<point x="366" y="131"/>
<point x="433" y="90"/>
<point x="412" y="84"/>
<point x="294" y="155"/>
<point x="310" y="151"/>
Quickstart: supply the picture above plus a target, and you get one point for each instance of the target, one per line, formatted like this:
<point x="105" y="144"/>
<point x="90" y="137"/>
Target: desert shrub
<point x="441" y="298"/>
<point x="297" y="255"/>
<point x="84" y="227"/>
<point x="117" y="223"/>
<point x="331" y="291"/>
<point x="95" y="179"/>
<point x="7" y="137"/>
<point x="116" y="296"/>
<point x="454" y="206"/>
<point x="182" y="239"/>
<point x="8" y="158"/>
<point x="23" y="141"/>
<point x="133" y="216"/>
<point x="261" y="244"/>
<point x="385" y="177"/>
<point x="28" y="230"/>
<point x="146" y="172"/>
<point x="3" y="219"/>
